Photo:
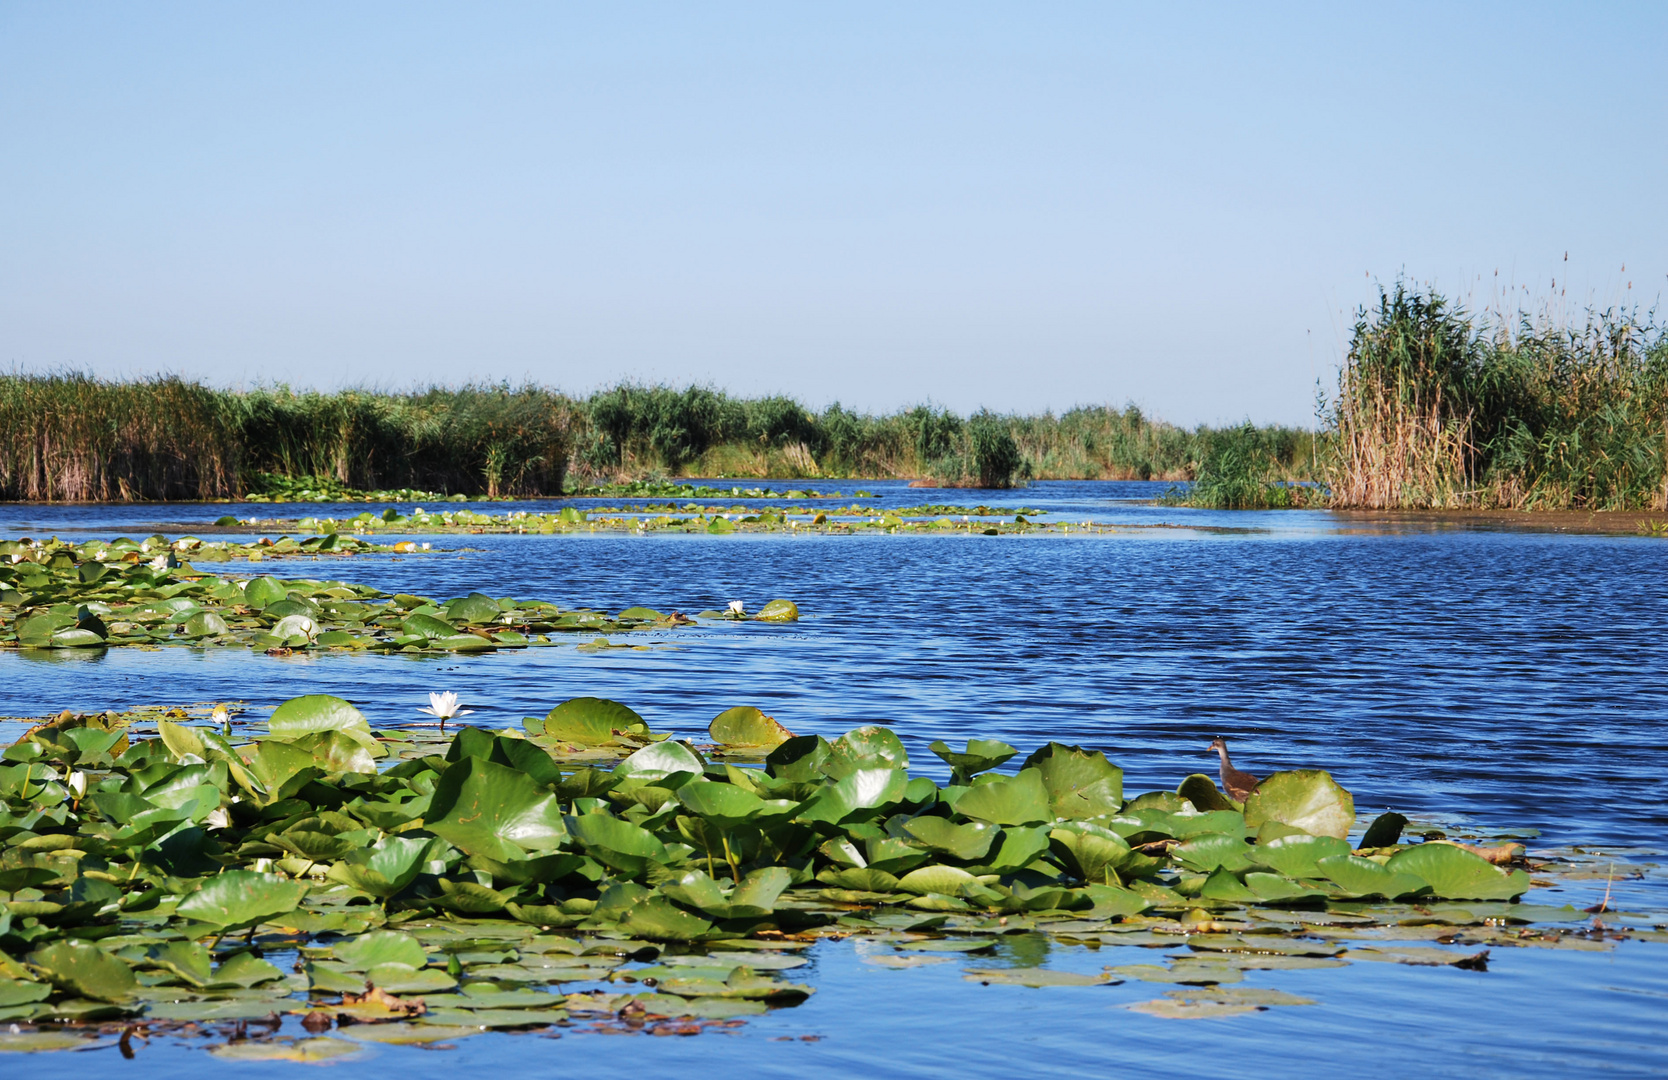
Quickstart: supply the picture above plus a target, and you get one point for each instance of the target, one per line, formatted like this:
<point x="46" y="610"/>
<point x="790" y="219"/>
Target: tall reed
<point x="1437" y="407"/>
<point x="71" y="437"/>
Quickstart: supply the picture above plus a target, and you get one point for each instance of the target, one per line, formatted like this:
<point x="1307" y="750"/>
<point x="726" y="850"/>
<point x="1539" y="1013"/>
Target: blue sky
<point x="1013" y="206"/>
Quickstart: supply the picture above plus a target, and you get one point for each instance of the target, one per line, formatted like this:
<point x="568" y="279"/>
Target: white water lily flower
<point x="77" y="783"/>
<point x="444" y="706"/>
<point x="221" y="715"/>
<point x="218" y="818"/>
<point x="159" y="563"/>
<point x="425" y="547"/>
<point x="737" y="607"/>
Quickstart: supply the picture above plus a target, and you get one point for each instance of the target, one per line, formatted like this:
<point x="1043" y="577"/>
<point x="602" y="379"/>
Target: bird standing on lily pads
<point x="1236" y="782"/>
<point x="444" y="707"/>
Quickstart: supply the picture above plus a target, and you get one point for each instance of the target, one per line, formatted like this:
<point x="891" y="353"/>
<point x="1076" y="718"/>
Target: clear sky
<point x="1018" y="206"/>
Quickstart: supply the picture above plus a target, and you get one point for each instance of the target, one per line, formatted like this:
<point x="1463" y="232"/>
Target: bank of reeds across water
<point x="70" y="437"/>
<point x="1436" y="408"/>
<point x="1440" y="408"/>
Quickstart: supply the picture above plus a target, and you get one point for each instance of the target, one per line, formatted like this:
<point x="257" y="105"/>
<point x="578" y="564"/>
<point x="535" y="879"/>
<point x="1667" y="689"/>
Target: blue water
<point x="1478" y="678"/>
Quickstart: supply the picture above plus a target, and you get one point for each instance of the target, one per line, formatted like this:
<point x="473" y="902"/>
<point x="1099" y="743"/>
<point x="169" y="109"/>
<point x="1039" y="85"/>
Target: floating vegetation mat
<point x="272" y="487"/>
<point x="414" y="887"/>
<point x="59" y="596"/>
<point x="691" y="520"/>
<point x="671" y="489"/>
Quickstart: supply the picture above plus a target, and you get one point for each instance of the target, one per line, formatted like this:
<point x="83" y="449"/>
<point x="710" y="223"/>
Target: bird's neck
<point x="1223" y="751"/>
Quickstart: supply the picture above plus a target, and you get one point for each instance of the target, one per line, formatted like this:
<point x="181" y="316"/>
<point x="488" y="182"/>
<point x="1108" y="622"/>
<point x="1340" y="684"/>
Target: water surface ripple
<point x="1488" y="678"/>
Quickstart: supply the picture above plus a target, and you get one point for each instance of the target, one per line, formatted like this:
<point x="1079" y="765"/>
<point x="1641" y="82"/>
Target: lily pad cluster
<point x="572" y="519"/>
<point x="95" y="595"/>
<point x="590" y="867"/>
<point x="671" y="489"/>
<point x="271" y="487"/>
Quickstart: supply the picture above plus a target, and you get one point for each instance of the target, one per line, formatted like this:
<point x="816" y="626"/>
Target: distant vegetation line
<point x="72" y="437"/>
<point x="1435" y="408"/>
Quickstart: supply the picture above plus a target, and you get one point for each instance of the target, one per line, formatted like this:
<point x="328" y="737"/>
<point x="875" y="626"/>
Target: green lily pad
<point x="315" y="713"/>
<point x="981" y="755"/>
<point x="303" y="1050"/>
<point x="19" y="992"/>
<point x="494" y="810"/>
<point x="239" y="898"/>
<point x="869" y="747"/>
<point x="968" y="842"/>
<point x="1364" y="877"/>
<point x="1202" y="792"/>
<point x="659" y="760"/>
<point x="1456" y="874"/>
<point x="778" y="611"/>
<point x="406" y="1034"/>
<point x="261" y="592"/>
<point x="385" y="869"/>
<point x="947" y="880"/>
<point x="1306" y="799"/>
<point x="1296" y="856"/>
<point x="1019" y="800"/>
<point x="1037" y="977"/>
<point x="86" y="970"/>
<point x="474" y="609"/>
<point x="366" y="951"/>
<point x="36" y="1042"/>
<point x="747" y="727"/>
<point x="620" y="844"/>
<point x="854" y="794"/>
<point x="1081" y="783"/>
<point x="245" y="969"/>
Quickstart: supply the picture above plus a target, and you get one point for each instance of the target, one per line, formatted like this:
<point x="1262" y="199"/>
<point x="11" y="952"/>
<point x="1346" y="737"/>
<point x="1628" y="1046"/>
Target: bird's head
<point x="1219" y="743"/>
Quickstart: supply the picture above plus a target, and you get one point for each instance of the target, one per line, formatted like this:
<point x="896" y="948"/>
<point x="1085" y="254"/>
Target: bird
<point x="1237" y="784"/>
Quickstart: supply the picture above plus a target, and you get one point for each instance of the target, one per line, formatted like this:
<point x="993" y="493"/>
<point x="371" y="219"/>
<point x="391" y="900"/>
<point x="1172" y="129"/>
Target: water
<point x="1476" y="678"/>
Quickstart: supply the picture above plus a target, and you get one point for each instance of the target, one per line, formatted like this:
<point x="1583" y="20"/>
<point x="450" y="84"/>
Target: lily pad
<point x="1037" y="977"/>
<point x="314" y="713"/>
<point x="1018" y="800"/>
<point x="1306" y="799"/>
<point x="981" y="755"/>
<point x="591" y="721"/>
<point x="1081" y="783"/>
<point x="240" y="898"/>
<point x="747" y="727"/>
<point x="493" y="810"/>
<point x="86" y="970"/>
<point x="366" y="951"/>
<point x="303" y="1050"/>
<point x="1456" y="874"/>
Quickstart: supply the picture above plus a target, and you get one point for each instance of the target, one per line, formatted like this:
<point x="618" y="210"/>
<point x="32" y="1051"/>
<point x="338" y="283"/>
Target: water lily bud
<point x="737" y="607"/>
<point x="78" y="783"/>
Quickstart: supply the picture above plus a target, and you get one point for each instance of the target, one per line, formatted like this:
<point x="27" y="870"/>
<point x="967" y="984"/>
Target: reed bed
<point x="631" y="431"/>
<point x="1440" y="408"/>
<point x="71" y="437"/>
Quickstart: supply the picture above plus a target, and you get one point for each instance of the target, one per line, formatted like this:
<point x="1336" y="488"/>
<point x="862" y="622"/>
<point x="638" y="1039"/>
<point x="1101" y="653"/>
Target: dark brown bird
<point x="1236" y="783"/>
